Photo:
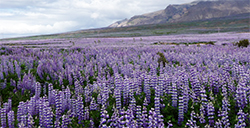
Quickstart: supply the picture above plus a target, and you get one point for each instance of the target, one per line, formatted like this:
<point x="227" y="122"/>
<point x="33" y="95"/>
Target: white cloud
<point x="52" y="16"/>
<point x="5" y="14"/>
<point x="23" y="28"/>
<point x="94" y="15"/>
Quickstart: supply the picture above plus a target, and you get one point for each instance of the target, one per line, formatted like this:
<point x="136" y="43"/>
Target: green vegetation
<point x="242" y="43"/>
<point x="162" y="59"/>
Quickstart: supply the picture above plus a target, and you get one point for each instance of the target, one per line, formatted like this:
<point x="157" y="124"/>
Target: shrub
<point x="210" y="42"/>
<point x="243" y="43"/>
<point x="162" y="59"/>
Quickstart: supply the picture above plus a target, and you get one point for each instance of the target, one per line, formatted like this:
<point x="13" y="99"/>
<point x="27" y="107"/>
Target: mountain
<point x="197" y="10"/>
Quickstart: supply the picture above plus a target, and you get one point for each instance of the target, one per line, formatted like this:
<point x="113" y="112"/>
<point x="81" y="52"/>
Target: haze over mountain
<point x="197" y="10"/>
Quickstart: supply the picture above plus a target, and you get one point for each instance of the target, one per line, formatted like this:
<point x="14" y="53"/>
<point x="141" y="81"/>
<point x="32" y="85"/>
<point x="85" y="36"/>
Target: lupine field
<point x="132" y="82"/>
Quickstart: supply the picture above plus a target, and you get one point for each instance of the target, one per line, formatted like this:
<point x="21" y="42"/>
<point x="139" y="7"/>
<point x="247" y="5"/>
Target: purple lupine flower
<point x="202" y="113"/>
<point x="185" y="96"/>
<point x="20" y="111"/>
<point x="80" y="109"/>
<point x="195" y="85"/>
<point x="105" y="95"/>
<point x="77" y="88"/>
<point x="211" y="96"/>
<point x="17" y="69"/>
<point x="122" y="118"/>
<point x="218" y="124"/>
<point x="31" y="105"/>
<point x="224" y="119"/>
<point x="70" y="79"/>
<point x="67" y="97"/>
<point x="23" y="121"/>
<point x="114" y="119"/>
<point x="92" y="124"/>
<point x="131" y="89"/>
<point x="174" y="94"/>
<point x="48" y="115"/>
<point x="203" y="98"/>
<point x="161" y="68"/>
<point x="132" y="105"/>
<point x="169" y="124"/>
<point x="210" y="113"/>
<point x="160" y="121"/>
<point x="99" y="99"/>
<point x="81" y="78"/>
<point x="65" y="121"/>
<point x="73" y="107"/>
<point x="181" y="111"/>
<point x="63" y="101"/>
<point x="145" y="102"/>
<point x="21" y="125"/>
<point x="192" y="122"/>
<point x="138" y="115"/>
<point x="157" y="105"/>
<point x="58" y="105"/>
<point x="144" y="117"/>
<point x="57" y="123"/>
<point x="126" y="90"/>
<point x="3" y="85"/>
<point x="9" y="107"/>
<point x="93" y="105"/>
<point x="11" y="68"/>
<point x="104" y="118"/>
<point x="11" y="119"/>
<point x="60" y="80"/>
<point x="215" y="84"/>
<point x="38" y="90"/>
<point x="40" y="69"/>
<point x="224" y="114"/>
<point x="147" y="88"/>
<point x="30" y="121"/>
<point x="152" y="70"/>
<point x="47" y="78"/>
<point x="12" y="83"/>
<point x="5" y="105"/>
<point x="241" y="97"/>
<point x="130" y="118"/>
<point x="248" y="93"/>
<point x="5" y="67"/>
<point x="41" y="112"/>
<point x="241" y="119"/>
<point x="86" y="113"/>
<point x="153" y="81"/>
<point x="161" y="84"/>
<point x="224" y="90"/>
<point x="1" y="75"/>
<point x="118" y="99"/>
<point x="50" y="94"/>
<point x="117" y="81"/>
<point x="137" y="86"/>
<point x="3" y="117"/>
<point x="151" y="118"/>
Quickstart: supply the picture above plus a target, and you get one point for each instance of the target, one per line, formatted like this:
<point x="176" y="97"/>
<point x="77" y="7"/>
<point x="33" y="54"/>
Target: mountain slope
<point x="197" y="10"/>
<point x="234" y="23"/>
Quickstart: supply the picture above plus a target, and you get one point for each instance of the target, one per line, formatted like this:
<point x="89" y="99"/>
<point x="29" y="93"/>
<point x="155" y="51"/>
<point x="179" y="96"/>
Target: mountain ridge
<point x="196" y="10"/>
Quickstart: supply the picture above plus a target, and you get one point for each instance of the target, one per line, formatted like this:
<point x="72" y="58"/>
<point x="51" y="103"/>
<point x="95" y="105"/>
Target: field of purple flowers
<point x="120" y="85"/>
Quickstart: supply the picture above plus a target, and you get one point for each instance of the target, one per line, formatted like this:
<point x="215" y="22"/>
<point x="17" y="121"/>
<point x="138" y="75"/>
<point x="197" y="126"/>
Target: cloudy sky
<point x="35" y="17"/>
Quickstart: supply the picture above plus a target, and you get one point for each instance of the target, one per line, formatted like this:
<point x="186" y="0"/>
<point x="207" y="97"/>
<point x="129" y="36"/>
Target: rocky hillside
<point x="197" y="10"/>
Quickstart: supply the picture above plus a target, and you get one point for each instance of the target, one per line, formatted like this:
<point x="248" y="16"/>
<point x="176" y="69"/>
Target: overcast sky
<point x="35" y="17"/>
